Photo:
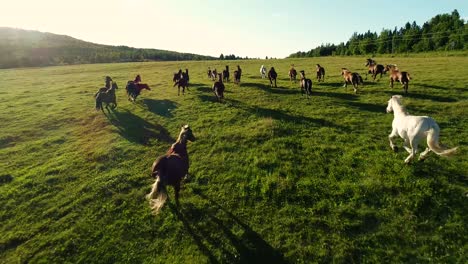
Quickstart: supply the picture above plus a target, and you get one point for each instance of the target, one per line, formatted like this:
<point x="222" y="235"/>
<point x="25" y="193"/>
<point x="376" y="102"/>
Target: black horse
<point x="272" y="75"/>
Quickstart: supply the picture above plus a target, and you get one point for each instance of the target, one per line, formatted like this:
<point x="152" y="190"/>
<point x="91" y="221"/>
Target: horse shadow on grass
<point x="137" y="129"/>
<point x="342" y="96"/>
<point x="410" y="94"/>
<point x="328" y="84"/>
<point x="211" y="228"/>
<point x="274" y="90"/>
<point x="160" y="107"/>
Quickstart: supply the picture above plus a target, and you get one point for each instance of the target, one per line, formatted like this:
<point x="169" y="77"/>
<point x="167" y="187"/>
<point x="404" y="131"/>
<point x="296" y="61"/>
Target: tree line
<point x="442" y="32"/>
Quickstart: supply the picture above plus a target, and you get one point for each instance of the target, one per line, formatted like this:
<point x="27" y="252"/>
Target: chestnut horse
<point x="170" y="169"/>
<point x="397" y="76"/>
<point x="218" y="87"/>
<point x="320" y="73"/>
<point x="374" y="69"/>
<point x="306" y="85"/>
<point x="351" y="77"/>
<point x="292" y="74"/>
<point x="272" y="75"/>
<point x="134" y="89"/>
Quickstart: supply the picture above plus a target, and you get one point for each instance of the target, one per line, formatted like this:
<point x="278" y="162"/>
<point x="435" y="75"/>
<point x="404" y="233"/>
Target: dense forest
<point x="26" y="48"/>
<point x="442" y="32"/>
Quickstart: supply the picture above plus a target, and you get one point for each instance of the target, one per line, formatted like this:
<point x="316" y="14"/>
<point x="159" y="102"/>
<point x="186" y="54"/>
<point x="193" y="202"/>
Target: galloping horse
<point x="351" y="77"/>
<point x="181" y="81"/>
<point x="107" y="97"/>
<point x="306" y="85"/>
<point x="218" y="88"/>
<point x="272" y="75"/>
<point x="226" y="74"/>
<point x="374" y="69"/>
<point x="414" y="128"/>
<point x="170" y="169"/>
<point x="134" y="89"/>
<point x="396" y="75"/>
<point x="320" y="73"/>
<point x="106" y="87"/>
<point x="237" y="75"/>
<point x="263" y="71"/>
<point x="292" y="74"/>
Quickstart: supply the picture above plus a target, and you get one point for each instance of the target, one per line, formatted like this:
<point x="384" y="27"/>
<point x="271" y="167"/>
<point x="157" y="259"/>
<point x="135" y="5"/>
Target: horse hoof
<point x="395" y="149"/>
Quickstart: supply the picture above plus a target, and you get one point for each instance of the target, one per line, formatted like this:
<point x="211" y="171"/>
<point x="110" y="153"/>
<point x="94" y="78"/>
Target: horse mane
<point x="398" y="99"/>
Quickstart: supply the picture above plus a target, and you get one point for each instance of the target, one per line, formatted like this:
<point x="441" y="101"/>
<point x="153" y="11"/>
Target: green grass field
<point x="274" y="177"/>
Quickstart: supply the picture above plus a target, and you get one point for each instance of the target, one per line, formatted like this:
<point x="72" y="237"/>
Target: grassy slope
<point x="274" y="176"/>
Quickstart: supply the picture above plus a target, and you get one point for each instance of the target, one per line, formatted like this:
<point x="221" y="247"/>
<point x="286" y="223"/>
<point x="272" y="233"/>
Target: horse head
<point x="186" y="134"/>
<point x="114" y="85"/>
<point x="394" y="99"/>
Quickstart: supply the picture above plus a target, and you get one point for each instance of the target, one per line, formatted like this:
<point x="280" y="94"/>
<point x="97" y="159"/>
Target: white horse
<point x="263" y="71"/>
<point x="414" y="128"/>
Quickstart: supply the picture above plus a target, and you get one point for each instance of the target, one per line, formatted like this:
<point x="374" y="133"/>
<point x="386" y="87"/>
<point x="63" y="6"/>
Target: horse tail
<point x="158" y="195"/>
<point x="98" y="103"/>
<point x="434" y="145"/>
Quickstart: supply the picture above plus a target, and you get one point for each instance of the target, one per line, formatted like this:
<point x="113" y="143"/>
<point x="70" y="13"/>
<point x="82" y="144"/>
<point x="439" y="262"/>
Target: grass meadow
<point x="275" y="177"/>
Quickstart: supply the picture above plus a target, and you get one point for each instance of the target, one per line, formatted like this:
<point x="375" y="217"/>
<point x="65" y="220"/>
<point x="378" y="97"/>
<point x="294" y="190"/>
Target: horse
<point x="414" y="128"/>
<point x="218" y="88"/>
<point x="182" y="81"/>
<point x="134" y="89"/>
<point x="374" y="69"/>
<point x="351" y="77"/>
<point x="237" y="75"/>
<point x="214" y="75"/>
<point x="292" y="74"/>
<point x="209" y="72"/>
<point x="306" y="85"/>
<point x="396" y="75"/>
<point x="272" y="75"/>
<point x="263" y="71"/>
<point x="226" y="74"/>
<point x="320" y="73"/>
<point x="107" y="97"/>
<point x="170" y="169"/>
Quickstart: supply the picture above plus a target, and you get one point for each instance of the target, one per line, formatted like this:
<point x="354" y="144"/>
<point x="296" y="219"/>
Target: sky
<point x="253" y="28"/>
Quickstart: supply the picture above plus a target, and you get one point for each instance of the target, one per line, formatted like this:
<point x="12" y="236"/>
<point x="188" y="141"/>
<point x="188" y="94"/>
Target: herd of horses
<point x="171" y="168"/>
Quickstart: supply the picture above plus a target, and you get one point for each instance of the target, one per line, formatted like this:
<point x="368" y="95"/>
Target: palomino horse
<point x="396" y="75"/>
<point x="170" y="169"/>
<point x="263" y="71"/>
<point x="306" y="85"/>
<point x="374" y="69"/>
<point x="351" y="77"/>
<point x="134" y="89"/>
<point x="218" y="88"/>
<point x="272" y="75"/>
<point x="292" y="74"/>
<point x="226" y="74"/>
<point x="107" y="97"/>
<point x="414" y="128"/>
<point x="237" y="75"/>
<point x="320" y="73"/>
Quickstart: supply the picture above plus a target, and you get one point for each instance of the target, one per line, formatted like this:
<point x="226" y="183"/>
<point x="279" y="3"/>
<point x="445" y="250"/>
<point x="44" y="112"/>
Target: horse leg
<point x="424" y="154"/>
<point x="176" y="193"/>
<point x="391" y="83"/>
<point x="391" y="137"/>
<point x="414" y="150"/>
<point x="406" y="145"/>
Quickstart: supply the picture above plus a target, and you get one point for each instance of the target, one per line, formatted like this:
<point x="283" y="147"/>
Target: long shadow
<point x="206" y="228"/>
<point x="349" y="96"/>
<point x="440" y="87"/>
<point x="376" y="108"/>
<point x="329" y="84"/>
<point x="136" y="129"/>
<point x="267" y="88"/>
<point x="160" y="107"/>
<point x="423" y="96"/>
<point x="285" y="117"/>
<point x="205" y="89"/>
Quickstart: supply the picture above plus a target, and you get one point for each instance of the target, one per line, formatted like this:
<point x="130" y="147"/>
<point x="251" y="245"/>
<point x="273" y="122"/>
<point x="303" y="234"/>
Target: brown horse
<point x="374" y="69"/>
<point x="181" y="80"/>
<point x="272" y="75"/>
<point x="320" y="73"/>
<point x="351" y="77"/>
<point x="397" y="76"/>
<point x="292" y="74"/>
<point x="170" y="169"/>
<point x="106" y="87"/>
<point x="226" y="74"/>
<point x="134" y="89"/>
<point x="237" y="75"/>
<point x="218" y="87"/>
<point x="306" y="85"/>
<point x="108" y="97"/>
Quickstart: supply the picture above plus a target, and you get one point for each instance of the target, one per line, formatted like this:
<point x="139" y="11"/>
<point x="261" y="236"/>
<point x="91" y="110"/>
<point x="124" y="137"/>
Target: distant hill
<point x="28" y="48"/>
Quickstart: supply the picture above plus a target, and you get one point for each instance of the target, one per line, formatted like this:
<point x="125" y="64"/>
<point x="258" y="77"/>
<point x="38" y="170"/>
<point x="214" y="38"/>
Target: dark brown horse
<point x="272" y="75"/>
<point x="306" y="85"/>
<point x="108" y="97"/>
<point x="218" y="88"/>
<point x="226" y="74"/>
<point x="134" y="89"/>
<point x="181" y="80"/>
<point x="237" y="75"/>
<point x="170" y="169"/>
<point x="351" y="77"/>
<point x="106" y="87"/>
<point x="320" y="73"/>
<point x="397" y="76"/>
<point x="374" y="68"/>
<point x="292" y="74"/>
